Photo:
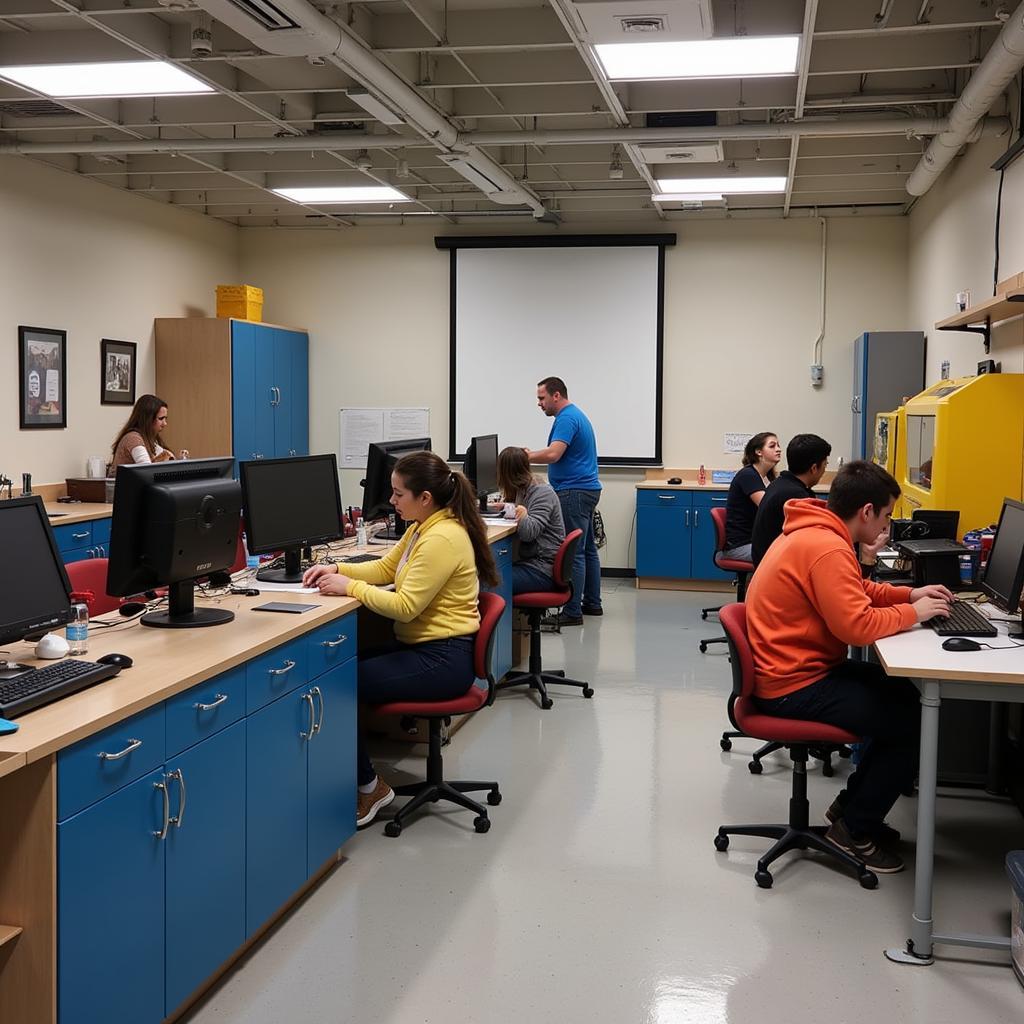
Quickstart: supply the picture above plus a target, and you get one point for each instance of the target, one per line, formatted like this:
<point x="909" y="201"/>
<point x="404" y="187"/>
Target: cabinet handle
<point x="308" y="698"/>
<point x="221" y="697"/>
<point x="318" y="724"/>
<point x="291" y="451"/>
<point x="696" y="517"/>
<point x="502" y="551"/>
<point x="252" y="455"/>
<point x="180" y="816"/>
<point x="666" y="497"/>
<point x="80" y="536"/>
<point x="335" y="643"/>
<point x="132" y="745"/>
<point x="272" y="395"/>
<point x="284" y="669"/>
<point x="687" y="518"/>
<point x="161" y="833"/>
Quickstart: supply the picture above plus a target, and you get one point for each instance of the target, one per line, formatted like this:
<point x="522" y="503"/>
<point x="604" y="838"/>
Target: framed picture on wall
<point x="42" y="376"/>
<point x="117" y="372"/>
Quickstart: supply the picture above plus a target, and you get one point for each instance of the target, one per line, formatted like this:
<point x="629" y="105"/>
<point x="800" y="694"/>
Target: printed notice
<point x="736" y="442"/>
<point x="362" y="427"/>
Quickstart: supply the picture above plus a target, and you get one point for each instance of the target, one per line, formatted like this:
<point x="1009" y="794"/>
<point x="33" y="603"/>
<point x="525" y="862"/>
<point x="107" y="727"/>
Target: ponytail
<point x="425" y="471"/>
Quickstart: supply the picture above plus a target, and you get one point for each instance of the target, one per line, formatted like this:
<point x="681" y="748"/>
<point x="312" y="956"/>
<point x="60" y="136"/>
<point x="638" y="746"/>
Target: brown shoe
<point x="368" y="804"/>
<point x="864" y="849"/>
<point x="882" y="832"/>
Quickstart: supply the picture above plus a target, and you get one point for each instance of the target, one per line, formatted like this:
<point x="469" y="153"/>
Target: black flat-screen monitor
<point x="481" y="466"/>
<point x="380" y="461"/>
<point x="290" y="504"/>
<point x="173" y="523"/>
<point x="942" y="524"/>
<point x="35" y="593"/>
<point x="1004" y="573"/>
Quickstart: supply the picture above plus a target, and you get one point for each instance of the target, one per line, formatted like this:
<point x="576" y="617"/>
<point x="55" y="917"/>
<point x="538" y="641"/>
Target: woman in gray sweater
<point x="539" y="514"/>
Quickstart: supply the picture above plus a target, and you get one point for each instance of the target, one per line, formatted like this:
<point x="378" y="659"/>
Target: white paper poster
<point x="362" y="427"/>
<point x="736" y="442"/>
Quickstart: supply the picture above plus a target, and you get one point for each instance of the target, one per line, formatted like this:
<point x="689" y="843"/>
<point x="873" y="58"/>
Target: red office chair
<point x="796" y="734"/>
<point x="736" y="565"/>
<point x="536" y="602"/>
<point x="89" y="585"/>
<point x="435" y="787"/>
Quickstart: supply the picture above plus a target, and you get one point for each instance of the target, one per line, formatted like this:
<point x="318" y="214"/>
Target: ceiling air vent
<point x="267" y="14"/>
<point x="683" y="153"/>
<point x="630" y="21"/>
<point x="36" y="108"/>
<point x="639" y="24"/>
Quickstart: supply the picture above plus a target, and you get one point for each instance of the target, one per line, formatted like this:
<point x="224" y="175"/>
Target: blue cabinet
<point x="703" y="537"/>
<point x="78" y="541"/>
<point x="502" y="551"/>
<point x="675" y="534"/>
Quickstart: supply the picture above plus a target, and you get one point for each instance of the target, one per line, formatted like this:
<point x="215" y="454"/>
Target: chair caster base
<point x="393" y="829"/>
<point x="481" y="823"/>
<point x="868" y="880"/>
<point x="763" y="878"/>
<point x="721" y="843"/>
<point x="494" y="798"/>
<point x="588" y="692"/>
<point x="703" y="647"/>
<point x="725" y="743"/>
<point x="547" y="703"/>
<point x="755" y="767"/>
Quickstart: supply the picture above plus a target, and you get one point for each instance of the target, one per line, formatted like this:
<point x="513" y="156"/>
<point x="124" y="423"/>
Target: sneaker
<point x="864" y="849"/>
<point x="557" y="621"/>
<point x="596" y="610"/>
<point x="882" y="832"/>
<point x="368" y="804"/>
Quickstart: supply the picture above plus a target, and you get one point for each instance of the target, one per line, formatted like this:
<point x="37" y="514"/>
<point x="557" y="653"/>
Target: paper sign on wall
<point x="362" y="427"/>
<point x="736" y="442"/>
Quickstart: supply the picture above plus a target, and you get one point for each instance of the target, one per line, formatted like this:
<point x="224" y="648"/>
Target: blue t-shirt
<point x="577" y="468"/>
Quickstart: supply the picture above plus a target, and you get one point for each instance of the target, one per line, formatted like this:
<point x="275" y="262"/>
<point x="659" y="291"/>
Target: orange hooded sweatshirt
<point x="807" y="602"/>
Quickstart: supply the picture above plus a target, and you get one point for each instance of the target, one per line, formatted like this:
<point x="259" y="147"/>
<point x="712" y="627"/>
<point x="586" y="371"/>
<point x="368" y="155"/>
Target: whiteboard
<point x="590" y="314"/>
<point x="359" y="428"/>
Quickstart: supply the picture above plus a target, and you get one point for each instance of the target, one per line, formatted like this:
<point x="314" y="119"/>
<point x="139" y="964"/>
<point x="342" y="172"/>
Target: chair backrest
<point x="89" y="585"/>
<point x="718" y="518"/>
<point x="561" y="571"/>
<point x="734" y="621"/>
<point x="491" y="608"/>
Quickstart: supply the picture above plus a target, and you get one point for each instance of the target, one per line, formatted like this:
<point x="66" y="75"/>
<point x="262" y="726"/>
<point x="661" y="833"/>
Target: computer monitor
<point x="1004" y="573"/>
<point x="173" y="523"/>
<point x="380" y="461"/>
<point x="481" y="466"/>
<point x="35" y="593"/>
<point x="942" y="524"/>
<point x="289" y="504"/>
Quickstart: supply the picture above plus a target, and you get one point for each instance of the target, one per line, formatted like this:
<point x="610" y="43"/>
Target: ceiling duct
<point x="269" y="15"/>
<point x="640" y="21"/>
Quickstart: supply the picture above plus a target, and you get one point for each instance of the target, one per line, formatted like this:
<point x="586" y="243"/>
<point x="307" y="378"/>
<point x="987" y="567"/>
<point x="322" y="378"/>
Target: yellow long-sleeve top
<point x="436" y="590"/>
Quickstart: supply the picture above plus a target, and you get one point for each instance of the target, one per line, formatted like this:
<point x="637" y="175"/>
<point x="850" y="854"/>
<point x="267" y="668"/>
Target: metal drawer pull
<point x="696" y="517"/>
<point x="318" y="724"/>
<point x="666" y="497"/>
<point x="221" y="697"/>
<point x="284" y="670"/>
<point x="335" y="643"/>
<point x="308" y="698"/>
<point x="132" y="745"/>
<point x="79" y="536"/>
<point x="687" y="518"/>
<point x="502" y="551"/>
<point x="161" y="833"/>
<point x="180" y="816"/>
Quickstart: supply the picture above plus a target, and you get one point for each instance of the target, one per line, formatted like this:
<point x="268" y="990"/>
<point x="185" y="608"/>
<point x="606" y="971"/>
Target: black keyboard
<point x="361" y="558"/>
<point x="39" y="686"/>
<point x="964" y="620"/>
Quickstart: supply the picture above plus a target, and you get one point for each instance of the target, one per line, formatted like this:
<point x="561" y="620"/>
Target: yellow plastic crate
<point x="241" y="301"/>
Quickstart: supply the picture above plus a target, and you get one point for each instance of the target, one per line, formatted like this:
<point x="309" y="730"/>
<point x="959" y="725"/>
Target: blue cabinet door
<point x="110" y="909"/>
<point x="284" y="397"/>
<point x="663" y="540"/>
<point x="331" y="793"/>
<point x="205" y="861"/>
<point x="503" y="635"/>
<point x="252" y="373"/>
<point x="275" y="806"/>
<point x="703" y="539"/>
<point x="298" y="347"/>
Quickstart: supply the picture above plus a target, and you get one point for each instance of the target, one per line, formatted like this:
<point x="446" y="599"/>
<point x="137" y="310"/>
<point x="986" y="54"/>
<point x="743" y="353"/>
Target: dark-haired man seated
<point x="806" y="605"/>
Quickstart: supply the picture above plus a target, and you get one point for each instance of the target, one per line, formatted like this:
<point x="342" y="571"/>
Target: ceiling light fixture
<point x="343" y="194"/>
<point x="742" y="57"/>
<point x="687" y="197"/>
<point x="123" y="78"/>
<point x="723" y="186"/>
<point x="374" y="106"/>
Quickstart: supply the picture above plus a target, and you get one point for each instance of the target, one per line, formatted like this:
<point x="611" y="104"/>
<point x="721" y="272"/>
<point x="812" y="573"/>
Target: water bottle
<point x="251" y="561"/>
<point x="702" y="476"/>
<point x="360" y="532"/>
<point x="77" y="631"/>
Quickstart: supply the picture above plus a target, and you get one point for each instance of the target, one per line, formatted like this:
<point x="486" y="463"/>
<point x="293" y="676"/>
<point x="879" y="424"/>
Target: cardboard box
<point x="241" y="301"/>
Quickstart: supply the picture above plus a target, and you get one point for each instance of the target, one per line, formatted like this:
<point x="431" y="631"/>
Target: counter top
<point x="65" y="513"/>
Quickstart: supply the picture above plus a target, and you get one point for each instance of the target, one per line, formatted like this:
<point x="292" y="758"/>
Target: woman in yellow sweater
<point x="436" y="568"/>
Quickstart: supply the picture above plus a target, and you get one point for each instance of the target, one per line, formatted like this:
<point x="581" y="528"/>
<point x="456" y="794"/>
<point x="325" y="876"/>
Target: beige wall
<point x="741" y="314"/>
<point x="97" y="263"/>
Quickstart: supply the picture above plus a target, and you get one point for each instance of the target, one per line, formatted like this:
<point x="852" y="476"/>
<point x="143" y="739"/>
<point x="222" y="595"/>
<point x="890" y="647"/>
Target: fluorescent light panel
<point x="343" y="194"/>
<point x="123" y="78"/>
<point x="687" y="197"/>
<point x="742" y="57"/>
<point x="721" y="186"/>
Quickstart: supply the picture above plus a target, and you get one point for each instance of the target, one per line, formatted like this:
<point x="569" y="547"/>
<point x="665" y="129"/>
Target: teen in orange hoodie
<point x="805" y="606"/>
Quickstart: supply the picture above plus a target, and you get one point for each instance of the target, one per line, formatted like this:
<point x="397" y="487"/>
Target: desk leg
<point x="919" y="947"/>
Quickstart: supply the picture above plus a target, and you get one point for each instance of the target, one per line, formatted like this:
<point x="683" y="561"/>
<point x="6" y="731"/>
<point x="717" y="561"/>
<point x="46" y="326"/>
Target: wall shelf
<point x="8" y="932"/>
<point x="980" y="319"/>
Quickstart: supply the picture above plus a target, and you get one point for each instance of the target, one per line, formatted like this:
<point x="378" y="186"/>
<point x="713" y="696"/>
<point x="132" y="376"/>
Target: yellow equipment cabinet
<point x="964" y="445"/>
<point x="890" y="451"/>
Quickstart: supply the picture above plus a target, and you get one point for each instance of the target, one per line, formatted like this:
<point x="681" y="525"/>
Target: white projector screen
<point x="588" y="309"/>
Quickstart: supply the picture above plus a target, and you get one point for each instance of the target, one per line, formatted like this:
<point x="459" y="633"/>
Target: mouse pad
<point x="6" y="727"/>
<point x="281" y="606"/>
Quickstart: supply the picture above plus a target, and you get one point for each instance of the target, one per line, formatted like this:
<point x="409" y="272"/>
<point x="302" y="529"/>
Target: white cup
<point x="963" y="300"/>
<point x="96" y="467"/>
<point x="510" y="510"/>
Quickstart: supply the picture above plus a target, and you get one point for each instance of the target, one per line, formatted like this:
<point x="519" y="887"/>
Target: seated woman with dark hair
<point x="436" y="568"/>
<point x="760" y="457"/>
<point x="539" y="514"/>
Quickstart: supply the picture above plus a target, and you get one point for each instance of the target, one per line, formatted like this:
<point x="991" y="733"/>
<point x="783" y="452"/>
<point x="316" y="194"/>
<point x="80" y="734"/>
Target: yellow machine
<point x="890" y="451"/>
<point x="964" y="442"/>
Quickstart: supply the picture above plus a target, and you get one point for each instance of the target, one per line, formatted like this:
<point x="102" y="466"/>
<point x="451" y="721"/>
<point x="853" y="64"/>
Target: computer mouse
<point x="674" y="480"/>
<point x="960" y="643"/>
<point x="132" y="607"/>
<point x="120" y="660"/>
<point x="51" y="646"/>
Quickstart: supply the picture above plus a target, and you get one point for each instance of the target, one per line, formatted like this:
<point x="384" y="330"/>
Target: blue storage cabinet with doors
<point x="675" y="534"/>
<point x="169" y="820"/>
<point x="78" y="541"/>
<point x="502" y="550"/>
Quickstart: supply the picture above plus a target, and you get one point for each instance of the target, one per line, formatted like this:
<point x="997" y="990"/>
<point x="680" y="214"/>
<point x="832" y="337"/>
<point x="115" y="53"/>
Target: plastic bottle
<point x="251" y="561"/>
<point x="77" y="631"/>
<point x="702" y="476"/>
<point x="360" y="532"/>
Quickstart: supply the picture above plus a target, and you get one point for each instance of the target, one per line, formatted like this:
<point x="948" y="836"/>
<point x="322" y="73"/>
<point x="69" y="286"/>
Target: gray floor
<point x="597" y="895"/>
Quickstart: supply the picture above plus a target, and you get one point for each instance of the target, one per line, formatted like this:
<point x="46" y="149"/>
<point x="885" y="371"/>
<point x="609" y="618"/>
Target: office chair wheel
<point x="587" y="691"/>
<point x="704" y="614"/>
<point x="481" y="824"/>
<point x="494" y="798"/>
<point x="703" y="647"/>
<point x="826" y="766"/>
<point x="393" y="829"/>
<point x="546" y="703"/>
<point x="725" y="743"/>
<point x="764" y="879"/>
<point x="755" y="767"/>
<point x="721" y="843"/>
<point x="868" y="879"/>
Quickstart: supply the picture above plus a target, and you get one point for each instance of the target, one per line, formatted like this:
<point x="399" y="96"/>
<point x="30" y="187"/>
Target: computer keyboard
<point x="39" y="686"/>
<point x="361" y="558"/>
<point x="964" y="620"/>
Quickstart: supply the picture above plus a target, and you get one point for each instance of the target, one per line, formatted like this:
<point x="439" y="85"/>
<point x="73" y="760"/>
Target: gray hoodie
<point x="541" y="530"/>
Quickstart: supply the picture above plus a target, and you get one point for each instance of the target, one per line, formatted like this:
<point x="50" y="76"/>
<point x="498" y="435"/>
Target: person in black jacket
<point x="806" y="459"/>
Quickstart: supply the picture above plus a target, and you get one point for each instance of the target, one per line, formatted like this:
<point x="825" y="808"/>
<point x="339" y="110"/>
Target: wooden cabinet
<point x="234" y="387"/>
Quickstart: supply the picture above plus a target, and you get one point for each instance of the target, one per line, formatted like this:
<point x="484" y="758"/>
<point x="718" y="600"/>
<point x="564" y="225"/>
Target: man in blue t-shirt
<point x="571" y="457"/>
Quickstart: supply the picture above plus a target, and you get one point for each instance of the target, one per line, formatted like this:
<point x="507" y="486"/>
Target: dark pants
<point x="578" y="514"/>
<point x="435" y="670"/>
<point x="861" y="698"/>
<point x="528" y="578"/>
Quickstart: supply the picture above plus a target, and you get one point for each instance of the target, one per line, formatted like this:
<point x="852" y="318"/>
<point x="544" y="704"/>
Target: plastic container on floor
<point x="1015" y="871"/>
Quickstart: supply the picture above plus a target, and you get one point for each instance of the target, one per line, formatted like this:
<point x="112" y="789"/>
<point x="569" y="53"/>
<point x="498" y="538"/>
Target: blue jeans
<point x="528" y="579"/>
<point x="578" y="514"/>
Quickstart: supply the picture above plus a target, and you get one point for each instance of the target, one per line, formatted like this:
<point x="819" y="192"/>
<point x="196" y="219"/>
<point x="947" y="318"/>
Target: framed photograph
<point x="42" y="376"/>
<point x="117" y="372"/>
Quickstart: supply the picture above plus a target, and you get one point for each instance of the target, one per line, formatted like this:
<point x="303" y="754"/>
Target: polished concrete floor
<point x="598" y="895"/>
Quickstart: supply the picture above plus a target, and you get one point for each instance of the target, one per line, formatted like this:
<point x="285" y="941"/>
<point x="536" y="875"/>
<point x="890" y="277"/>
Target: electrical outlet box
<point x="817" y="375"/>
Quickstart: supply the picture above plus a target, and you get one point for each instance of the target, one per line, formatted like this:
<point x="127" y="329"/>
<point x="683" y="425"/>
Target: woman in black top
<point x="760" y="457"/>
